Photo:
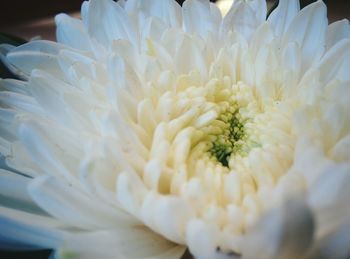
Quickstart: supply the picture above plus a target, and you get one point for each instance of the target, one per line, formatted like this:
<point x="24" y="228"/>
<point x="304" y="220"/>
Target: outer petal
<point x="37" y="55"/>
<point x="14" y="85"/>
<point x="189" y="57"/>
<point x="336" y="245"/>
<point x="167" y="215"/>
<point x="337" y="31"/>
<point x="169" y="11"/>
<point x="74" y="207"/>
<point x="335" y="63"/>
<point x="137" y="242"/>
<point x="71" y="32"/>
<point x="260" y="9"/>
<point x="41" y="148"/>
<point x="108" y="21"/>
<point x="240" y="18"/>
<point x="14" y="185"/>
<point x="198" y="18"/>
<point x="22" y="230"/>
<point x="282" y="16"/>
<point x="202" y="238"/>
<point x="329" y="199"/>
<point x="289" y="230"/>
<point x="308" y="29"/>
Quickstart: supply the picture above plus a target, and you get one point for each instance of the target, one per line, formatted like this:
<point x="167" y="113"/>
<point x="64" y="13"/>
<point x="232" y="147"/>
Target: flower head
<point x="149" y="127"/>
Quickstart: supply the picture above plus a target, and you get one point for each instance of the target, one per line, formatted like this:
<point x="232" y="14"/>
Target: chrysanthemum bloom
<point x="150" y="128"/>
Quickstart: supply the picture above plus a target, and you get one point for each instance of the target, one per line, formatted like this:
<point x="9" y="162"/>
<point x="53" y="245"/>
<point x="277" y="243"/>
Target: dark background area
<point x="28" y="18"/>
<point x="19" y="11"/>
<point x="15" y="11"/>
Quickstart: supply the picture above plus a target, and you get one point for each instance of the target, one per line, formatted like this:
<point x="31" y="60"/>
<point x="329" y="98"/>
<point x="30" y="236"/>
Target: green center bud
<point x="232" y="140"/>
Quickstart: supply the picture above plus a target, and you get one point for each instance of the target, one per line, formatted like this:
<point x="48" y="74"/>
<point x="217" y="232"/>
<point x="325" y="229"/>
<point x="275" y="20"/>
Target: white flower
<point x="151" y="127"/>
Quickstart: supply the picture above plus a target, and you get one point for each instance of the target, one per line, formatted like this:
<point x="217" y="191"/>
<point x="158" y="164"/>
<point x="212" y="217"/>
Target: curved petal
<point x="198" y="18"/>
<point x="290" y="229"/>
<point x="70" y="31"/>
<point x="41" y="148"/>
<point x="335" y="63"/>
<point x="201" y="238"/>
<point x="260" y="9"/>
<point x="329" y="198"/>
<point x="189" y="57"/>
<point x="136" y="242"/>
<point x="22" y="230"/>
<point x="335" y="245"/>
<point x="14" y="185"/>
<point x="74" y="207"/>
<point x="309" y="29"/>
<point x="282" y="16"/>
<point x="39" y="54"/>
<point x="337" y="31"/>
<point x="168" y="11"/>
<point x="108" y="21"/>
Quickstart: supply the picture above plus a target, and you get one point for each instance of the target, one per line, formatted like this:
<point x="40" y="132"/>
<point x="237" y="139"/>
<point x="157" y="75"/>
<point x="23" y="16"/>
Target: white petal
<point x="289" y="230"/>
<point x="262" y="36"/>
<point x="136" y="242"/>
<point x="21" y="230"/>
<point x="291" y="64"/>
<point x="20" y="102"/>
<point x="260" y="9"/>
<point x="14" y="85"/>
<point x="197" y="18"/>
<point x="337" y="31"/>
<point x="189" y="57"/>
<point x="49" y="93"/>
<point x="108" y="21"/>
<point x="13" y="192"/>
<point x="168" y="11"/>
<point x="308" y="29"/>
<point x="329" y="198"/>
<point x="7" y="130"/>
<point x="133" y="61"/>
<point x="37" y="55"/>
<point x="167" y="215"/>
<point x="240" y="18"/>
<point x="202" y="238"/>
<point x="84" y="12"/>
<point x="74" y="207"/>
<point x="310" y="160"/>
<point x="152" y="29"/>
<point x="52" y="148"/>
<point x="341" y="151"/>
<point x="130" y="192"/>
<point x="336" y="245"/>
<point x="34" y="219"/>
<point x="5" y="145"/>
<point x="14" y="185"/>
<point x="264" y="80"/>
<point x="335" y="63"/>
<point x="70" y="31"/>
<point x="281" y="17"/>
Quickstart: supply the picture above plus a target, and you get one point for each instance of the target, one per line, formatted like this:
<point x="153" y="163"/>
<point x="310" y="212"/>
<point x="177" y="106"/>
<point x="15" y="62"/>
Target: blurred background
<point x="31" y="18"/>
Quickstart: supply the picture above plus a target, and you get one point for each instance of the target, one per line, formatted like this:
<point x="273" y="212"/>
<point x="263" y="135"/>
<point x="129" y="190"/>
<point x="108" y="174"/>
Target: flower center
<point x="233" y="137"/>
<point x="218" y="146"/>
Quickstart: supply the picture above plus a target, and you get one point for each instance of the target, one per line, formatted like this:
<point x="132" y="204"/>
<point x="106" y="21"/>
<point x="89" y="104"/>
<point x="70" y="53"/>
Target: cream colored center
<point x="219" y="148"/>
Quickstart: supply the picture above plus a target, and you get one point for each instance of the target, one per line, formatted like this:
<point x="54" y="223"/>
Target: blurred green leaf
<point x="10" y="39"/>
<point x="13" y="40"/>
<point x="4" y="72"/>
